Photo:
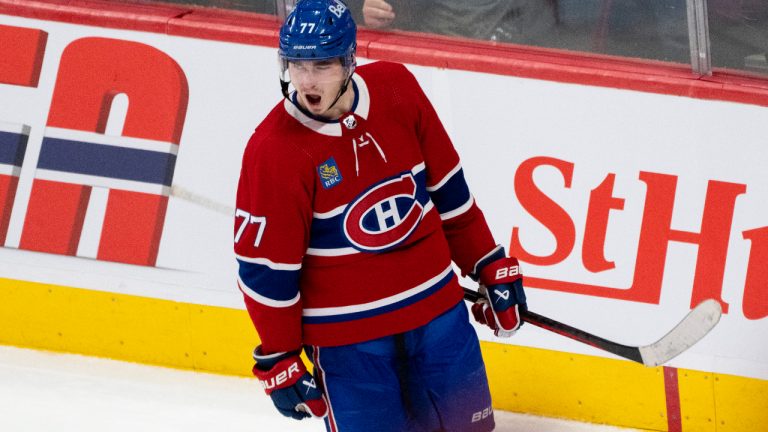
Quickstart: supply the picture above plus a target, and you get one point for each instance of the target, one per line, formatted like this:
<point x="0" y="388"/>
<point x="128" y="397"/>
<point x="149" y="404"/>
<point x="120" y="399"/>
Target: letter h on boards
<point x="135" y="168"/>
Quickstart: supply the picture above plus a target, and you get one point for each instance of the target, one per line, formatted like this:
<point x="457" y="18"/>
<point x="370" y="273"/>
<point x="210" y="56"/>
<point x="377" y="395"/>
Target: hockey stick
<point x="686" y="333"/>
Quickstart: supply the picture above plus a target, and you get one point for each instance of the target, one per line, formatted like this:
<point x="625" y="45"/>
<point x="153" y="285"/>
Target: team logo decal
<point x="329" y="173"/>
<point x="384" y="215"/>
<point x="350" y="122"/>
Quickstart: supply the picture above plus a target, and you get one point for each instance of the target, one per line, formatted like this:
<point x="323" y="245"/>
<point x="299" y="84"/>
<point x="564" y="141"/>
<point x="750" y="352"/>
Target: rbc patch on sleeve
<point x="329" y="173"/>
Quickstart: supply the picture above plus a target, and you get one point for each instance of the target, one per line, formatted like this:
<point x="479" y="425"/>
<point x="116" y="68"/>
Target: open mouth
<point x="313" y="100"/>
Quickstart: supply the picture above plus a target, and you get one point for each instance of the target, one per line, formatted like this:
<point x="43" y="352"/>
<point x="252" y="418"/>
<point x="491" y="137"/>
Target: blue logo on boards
<point x="329" y="173"/>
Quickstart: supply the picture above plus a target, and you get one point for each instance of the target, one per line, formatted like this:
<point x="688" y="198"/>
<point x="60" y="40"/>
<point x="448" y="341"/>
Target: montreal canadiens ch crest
<point x="384" y="215"/>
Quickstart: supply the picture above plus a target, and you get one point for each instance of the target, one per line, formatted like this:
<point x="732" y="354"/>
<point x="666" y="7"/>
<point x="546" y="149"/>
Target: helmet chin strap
<point x="284" y="87"/>
<point x="342" y="90"/>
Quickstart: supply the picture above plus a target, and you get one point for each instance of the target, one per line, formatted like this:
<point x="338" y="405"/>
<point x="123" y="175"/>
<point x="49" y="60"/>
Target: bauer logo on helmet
<point x="337" y="9"/>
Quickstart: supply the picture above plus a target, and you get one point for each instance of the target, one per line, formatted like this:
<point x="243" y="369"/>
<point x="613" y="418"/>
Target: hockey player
<point x="351" y="207"/>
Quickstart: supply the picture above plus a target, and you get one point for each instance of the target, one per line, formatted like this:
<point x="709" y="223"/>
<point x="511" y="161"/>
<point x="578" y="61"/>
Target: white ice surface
<point x="44" y="391"/>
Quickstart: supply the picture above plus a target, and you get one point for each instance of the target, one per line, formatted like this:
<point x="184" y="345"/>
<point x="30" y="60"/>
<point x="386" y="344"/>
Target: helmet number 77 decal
<point x="305" y="25"/>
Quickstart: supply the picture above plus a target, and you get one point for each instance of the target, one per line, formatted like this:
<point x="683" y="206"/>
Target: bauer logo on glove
<point x="286" y="380"/>
<point x="281" y="378"/>
<point x="505" y="272"/>
<point x="501" y="283"/>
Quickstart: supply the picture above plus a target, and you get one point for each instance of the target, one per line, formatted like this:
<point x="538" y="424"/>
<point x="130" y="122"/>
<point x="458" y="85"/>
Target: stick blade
<point x="690" y="330"/>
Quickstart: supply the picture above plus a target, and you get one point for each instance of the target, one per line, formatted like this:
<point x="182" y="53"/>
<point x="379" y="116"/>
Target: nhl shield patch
<point x="329" y="173"/>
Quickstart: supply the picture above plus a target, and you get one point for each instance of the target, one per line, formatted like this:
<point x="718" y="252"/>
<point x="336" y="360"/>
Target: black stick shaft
<point x="628" y="352"/>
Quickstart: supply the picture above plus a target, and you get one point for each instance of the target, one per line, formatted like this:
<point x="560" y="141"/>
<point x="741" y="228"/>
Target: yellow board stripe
<point x="126" y="327"/>
<point x="579" y="387"/>
<point x="522" y="379"/>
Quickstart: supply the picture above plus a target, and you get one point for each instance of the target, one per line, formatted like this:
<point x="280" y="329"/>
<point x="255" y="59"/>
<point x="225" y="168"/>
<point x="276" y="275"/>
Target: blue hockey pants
<point x="425" y="380"/>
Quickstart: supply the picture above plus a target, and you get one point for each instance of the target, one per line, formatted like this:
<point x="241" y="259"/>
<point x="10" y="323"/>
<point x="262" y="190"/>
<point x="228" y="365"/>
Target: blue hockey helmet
<point x="317" y="30"/>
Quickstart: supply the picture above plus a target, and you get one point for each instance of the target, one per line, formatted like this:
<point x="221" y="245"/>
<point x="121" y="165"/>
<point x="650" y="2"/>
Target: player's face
<point x="317" y="84"/>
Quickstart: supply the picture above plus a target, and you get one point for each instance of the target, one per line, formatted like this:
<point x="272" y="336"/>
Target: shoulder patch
<point x="329" y="173"/>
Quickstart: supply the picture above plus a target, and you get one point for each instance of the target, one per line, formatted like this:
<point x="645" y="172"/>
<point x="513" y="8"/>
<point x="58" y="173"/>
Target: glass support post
<point x="698" y="37"/>
<point x="284" y="7"/>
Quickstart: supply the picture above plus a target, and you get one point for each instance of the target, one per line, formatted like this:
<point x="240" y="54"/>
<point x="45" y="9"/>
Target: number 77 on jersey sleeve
<point x="247" y="220"/>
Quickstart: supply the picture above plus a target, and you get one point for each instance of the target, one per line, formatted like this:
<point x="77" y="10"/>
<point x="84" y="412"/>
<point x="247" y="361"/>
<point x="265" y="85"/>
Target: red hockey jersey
<point x="345" y="230"/>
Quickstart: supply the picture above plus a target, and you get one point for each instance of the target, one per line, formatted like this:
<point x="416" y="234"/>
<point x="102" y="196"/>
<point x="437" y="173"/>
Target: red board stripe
<point x="414" y="48"/>
<point x="672" y="392"/>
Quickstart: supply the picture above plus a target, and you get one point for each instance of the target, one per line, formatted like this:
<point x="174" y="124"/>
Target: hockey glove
<point x="286" y="380"/>
<point x="501" y="283"/>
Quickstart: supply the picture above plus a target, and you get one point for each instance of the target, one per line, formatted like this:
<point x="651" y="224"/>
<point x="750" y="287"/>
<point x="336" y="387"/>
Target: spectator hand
<point x="501" y="283"/>
<point x="378" y="13"/>
<point x="286" y="380"/>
